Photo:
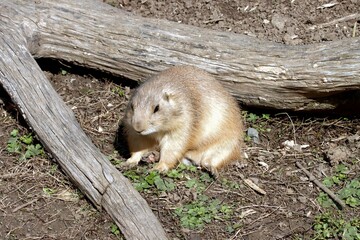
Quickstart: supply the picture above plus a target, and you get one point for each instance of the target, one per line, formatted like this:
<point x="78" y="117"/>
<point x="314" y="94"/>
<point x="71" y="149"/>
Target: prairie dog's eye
<point x="156" y="108"/>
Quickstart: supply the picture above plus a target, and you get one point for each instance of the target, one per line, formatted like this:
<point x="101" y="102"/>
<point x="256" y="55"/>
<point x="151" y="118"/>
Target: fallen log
<point x="61" y="135"/>
<point x="322" y="76"/>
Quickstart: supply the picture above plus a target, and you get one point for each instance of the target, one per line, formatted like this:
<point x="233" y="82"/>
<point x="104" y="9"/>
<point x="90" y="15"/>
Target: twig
<point x="354" y="29"/>
<point x="10" y="175"/>
<point x="327" y="5"/>
<point x="24" y="205"/>
<point x="252" y="185"/>
<point x="212" y="183"/>
<point x="322" y="186"/>
<point x="292" y="124"/>
<point x="213" y="20"/>
<point x="343" y="19"/>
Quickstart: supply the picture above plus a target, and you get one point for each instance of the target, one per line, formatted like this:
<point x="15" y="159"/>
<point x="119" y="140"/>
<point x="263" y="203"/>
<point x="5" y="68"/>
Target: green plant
<point x="265" y="116"/>
<point x="48" y="191"/>
<point x="161" y="184"/>
<point x="14" y="144"/>
<point x="190" y="182"/>
<point x="119" y="91"/>
<point x="180" y="171"/>
<point x="247" y="138"/>
<point x="229" y="184"/>
<point x="339" y="176"/>
<point x="257" y="122"/>
<point x="252" y="117"/>
<point x="327" y="226"/>
<point x="23" y="145"/>
<point x="27" y="139"/>
<point x="32" y="151"/>
<point x="203" y="210"/>
<point x="151" y="180"/>
<point x="206" y="178"/>
<point x="350" y="193"/>
<point x="114" y="160"/>
<point x="115" y="230"/>
<point x="324" y="200"/>
<point x="63" y="72"/>
<point x="193" y="215"/>
<point x="232" y="227"/>
<point x="53" y="169"/>
<point x="197" y="184"/>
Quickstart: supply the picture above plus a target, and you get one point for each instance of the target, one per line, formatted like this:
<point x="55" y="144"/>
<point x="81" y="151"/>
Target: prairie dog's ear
<point x="168" y="96"/>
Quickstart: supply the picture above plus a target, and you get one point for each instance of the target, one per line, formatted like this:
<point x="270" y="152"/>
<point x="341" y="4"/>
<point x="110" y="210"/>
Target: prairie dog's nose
<point x="138" y="126"/>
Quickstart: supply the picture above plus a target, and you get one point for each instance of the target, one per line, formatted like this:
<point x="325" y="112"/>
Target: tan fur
<point x="196" y="119"/>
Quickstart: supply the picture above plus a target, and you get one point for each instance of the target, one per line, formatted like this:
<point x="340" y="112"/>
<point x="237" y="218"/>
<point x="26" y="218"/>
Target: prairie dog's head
<point x="154" y="108"/>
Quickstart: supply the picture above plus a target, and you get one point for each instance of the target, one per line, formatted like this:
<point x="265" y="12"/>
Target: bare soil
<point x="287" y="211"/>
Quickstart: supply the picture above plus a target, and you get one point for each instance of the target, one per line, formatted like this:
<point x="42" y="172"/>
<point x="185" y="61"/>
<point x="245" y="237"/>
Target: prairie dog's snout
<point x="188" y="114"/>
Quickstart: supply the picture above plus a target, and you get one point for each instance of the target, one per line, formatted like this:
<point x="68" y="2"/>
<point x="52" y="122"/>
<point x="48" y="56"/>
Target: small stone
<point x="253" y="134"/>
<point x="302" y="199"/>
<point x="290" y="191"/>
<point x="278" y="21"/>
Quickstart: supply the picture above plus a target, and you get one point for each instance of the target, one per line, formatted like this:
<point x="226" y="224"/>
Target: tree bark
<point x="61" y="135"/>
<point x="322" y="76"/>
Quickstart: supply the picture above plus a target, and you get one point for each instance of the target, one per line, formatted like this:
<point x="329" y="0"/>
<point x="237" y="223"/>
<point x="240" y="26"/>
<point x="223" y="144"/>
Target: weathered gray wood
<point x="62" y="136"/>
<point x="89" y="33"/>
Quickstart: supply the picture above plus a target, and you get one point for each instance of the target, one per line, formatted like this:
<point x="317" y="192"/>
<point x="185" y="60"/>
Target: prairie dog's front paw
<point x="133" y="161"/>
<point x="161" y="167"/>
<point x="129" y="164"/>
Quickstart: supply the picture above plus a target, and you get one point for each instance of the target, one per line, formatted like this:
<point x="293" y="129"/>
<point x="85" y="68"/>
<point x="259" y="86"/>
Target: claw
<point x="128" y="165"/>
<point x="131" y="162"/>
<point x="161" y="167"/>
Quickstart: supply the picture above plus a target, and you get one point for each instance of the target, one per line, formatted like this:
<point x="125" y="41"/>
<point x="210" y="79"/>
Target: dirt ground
<point x="37" y="201"/>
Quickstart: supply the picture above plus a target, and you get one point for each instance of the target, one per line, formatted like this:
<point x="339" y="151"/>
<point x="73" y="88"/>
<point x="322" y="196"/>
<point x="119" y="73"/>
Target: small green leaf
<point x="341" y="168"/>
<point x="265" y="116"/>
<point x="345" y="193"/>
<point x="174" y="173"/>
<point x="352" y="202"/>
<point x="191" y="183"/>
<point x="170" y="184"/>
<point x="32" y="151"/>
<point x="119" y="91"/>
<point x="14" y="145"/>
<point x="205" y="177"/>
<point x="132" y="175"/>
<point x="114" y="229"/>
<point x="27" y="139"/>
<point x="14" y="133"/>
<point x="48" y="191"/>
<point x="141" y="186"/>
<point x="151" y="177"/>
<point x="252" y="117"/>
<point x="328" y="182"/>
<point x="160" y="184"/>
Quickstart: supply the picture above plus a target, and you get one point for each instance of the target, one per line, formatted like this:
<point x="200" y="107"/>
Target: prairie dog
<point x="185" y="113"/>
